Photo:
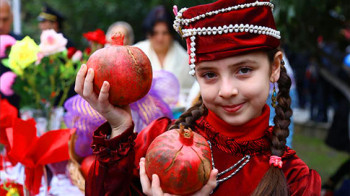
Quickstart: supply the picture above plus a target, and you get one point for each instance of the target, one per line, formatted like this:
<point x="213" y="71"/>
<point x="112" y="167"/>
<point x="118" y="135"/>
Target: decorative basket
<point x="73" y="165"/>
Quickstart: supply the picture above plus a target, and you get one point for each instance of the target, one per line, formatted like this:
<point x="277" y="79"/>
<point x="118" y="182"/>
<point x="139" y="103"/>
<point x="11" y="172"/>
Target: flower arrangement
<point x="44" y="72"/>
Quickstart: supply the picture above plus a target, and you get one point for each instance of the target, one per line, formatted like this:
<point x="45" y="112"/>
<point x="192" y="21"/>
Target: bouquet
<point x="43" y="70"/>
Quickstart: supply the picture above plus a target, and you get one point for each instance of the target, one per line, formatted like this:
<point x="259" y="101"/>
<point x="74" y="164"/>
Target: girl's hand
<point x="155" y="189"/>
<point x="118" y="117"/>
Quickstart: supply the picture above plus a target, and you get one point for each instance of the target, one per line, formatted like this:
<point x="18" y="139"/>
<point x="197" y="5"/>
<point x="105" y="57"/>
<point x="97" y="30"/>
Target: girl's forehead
<point x="251" y="58"/>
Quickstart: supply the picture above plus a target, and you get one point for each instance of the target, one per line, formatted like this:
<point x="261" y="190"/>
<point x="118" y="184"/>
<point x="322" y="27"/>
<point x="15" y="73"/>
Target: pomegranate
<point x="182" y="160"/>
<point x="127" y="69"/>
<point x="86" y="165"/>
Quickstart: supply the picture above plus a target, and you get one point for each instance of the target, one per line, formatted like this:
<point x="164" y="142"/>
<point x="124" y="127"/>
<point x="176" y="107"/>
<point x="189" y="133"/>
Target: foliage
<point x="83" y="16"/>
<point x="302" y="22"/>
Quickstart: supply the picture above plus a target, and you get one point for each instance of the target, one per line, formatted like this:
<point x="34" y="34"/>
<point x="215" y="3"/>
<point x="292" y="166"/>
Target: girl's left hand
<point x="155" y="189"/>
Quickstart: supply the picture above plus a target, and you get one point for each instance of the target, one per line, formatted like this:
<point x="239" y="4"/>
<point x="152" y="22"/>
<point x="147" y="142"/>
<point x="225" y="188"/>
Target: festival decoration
<point x="35" y="152"/>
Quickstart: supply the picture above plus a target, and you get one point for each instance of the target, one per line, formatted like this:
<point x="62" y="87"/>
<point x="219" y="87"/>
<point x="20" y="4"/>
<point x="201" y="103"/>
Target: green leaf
<point x="6" y="62"/>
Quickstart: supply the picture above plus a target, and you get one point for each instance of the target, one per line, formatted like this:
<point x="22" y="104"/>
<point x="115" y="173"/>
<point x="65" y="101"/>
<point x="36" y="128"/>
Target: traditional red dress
<point x="116" y="171"/>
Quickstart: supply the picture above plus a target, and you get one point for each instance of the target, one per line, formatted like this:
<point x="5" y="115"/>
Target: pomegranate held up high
<point x="127" y="69"/>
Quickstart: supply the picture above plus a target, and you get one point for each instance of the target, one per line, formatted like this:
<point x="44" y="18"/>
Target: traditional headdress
<point x="225" y="28"/>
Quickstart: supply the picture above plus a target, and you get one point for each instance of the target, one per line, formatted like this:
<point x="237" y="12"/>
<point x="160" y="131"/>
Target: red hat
<point x="226" y="28"/>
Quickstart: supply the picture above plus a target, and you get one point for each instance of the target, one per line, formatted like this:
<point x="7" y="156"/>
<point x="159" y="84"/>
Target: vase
<point x="45" y="120"/>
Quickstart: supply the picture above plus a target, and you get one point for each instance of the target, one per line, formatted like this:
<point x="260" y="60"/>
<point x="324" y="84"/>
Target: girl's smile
<point x="232" y="108"/>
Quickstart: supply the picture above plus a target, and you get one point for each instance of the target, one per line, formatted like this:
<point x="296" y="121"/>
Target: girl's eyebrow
<point x="205" y="68"/>
<point x="243" y="62"/>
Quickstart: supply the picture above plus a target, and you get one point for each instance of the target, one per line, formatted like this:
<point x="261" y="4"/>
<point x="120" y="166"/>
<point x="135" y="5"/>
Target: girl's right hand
<point x="153" y="188"/>
<point x="119" y="118"/>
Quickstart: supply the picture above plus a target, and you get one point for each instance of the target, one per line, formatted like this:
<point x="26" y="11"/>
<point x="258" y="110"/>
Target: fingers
<point x="104" y="93"/>
<point x="211" y="184"/>
<point x="146" y="185"/>
<point x="79" y="80"/>
<point x="88" y="89"/>
<point x="156" y="190"/>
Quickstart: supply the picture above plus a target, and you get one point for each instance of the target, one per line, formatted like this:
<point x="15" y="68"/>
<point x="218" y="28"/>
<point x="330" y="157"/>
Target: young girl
<point x="233" y="53"/>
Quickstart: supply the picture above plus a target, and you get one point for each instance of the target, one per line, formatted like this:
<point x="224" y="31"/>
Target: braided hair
<point x="188" y="118"/>
<point x="274" y="182"/>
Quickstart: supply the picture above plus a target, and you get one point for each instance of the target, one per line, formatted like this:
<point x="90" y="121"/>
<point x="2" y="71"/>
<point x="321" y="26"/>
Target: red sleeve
<point x="301" y="179"/>
<point x="117" y="159"/>
<point x="309" y="185"/>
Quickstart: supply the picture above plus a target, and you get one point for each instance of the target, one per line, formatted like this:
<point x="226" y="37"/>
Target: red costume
<point x="116" y="171"/>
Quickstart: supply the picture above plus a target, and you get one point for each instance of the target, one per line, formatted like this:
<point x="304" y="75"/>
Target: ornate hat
<point x="226" y="28"/>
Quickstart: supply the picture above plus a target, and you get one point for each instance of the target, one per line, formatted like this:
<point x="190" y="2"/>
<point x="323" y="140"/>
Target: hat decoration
<point x="224" y="28"/>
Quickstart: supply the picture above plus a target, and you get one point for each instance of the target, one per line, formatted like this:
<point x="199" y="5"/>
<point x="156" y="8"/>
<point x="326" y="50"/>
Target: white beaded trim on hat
<point x="179" y="22"/>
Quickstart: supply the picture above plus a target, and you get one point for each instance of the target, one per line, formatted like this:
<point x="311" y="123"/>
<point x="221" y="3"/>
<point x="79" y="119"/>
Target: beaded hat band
<point x="226" y="28"/>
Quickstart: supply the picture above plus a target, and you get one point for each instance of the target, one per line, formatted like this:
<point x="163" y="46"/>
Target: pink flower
<point x="5" y="41"/>
<point x="52" y="42"/>
<point x="40" y="56"/>
<point x="77" y="56"/>
<point x="6" y="81"/>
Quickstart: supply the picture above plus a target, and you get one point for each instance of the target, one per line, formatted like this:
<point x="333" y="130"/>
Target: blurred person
<point x="312" y="78"/>
<point x="52" y="19"/>
<point x="338" y="137"/>
<point x="163" y="51"/>
<point x="6" y="20"/>
<point x="123" y="28"/>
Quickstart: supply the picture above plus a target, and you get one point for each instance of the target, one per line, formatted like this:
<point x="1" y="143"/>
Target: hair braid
<point x="191" y="115"/>
<point x="274" y="182"/>
<point x="283" y="115"/>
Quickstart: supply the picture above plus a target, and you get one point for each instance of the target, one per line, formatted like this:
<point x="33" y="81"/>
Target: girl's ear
<point x="276" y="67"/>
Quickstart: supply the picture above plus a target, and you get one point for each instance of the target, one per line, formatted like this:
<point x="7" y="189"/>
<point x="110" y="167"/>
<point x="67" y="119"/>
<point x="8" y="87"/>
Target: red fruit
<point x="182" y="160"/>
<point x="86" y="164"/>
<point x="127" y="69"/>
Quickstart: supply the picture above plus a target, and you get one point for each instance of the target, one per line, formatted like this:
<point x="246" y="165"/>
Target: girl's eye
<point x="244" y="70"/>
<point x="209" y="75"/>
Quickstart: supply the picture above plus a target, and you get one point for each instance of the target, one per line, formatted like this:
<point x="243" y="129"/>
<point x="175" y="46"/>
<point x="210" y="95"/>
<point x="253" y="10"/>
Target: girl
<point x="233" y="53"/>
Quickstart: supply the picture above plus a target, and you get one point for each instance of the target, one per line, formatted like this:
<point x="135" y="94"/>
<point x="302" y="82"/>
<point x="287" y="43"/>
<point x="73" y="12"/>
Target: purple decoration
<point x="157" y="103"/>
<point x="85" y="119"/>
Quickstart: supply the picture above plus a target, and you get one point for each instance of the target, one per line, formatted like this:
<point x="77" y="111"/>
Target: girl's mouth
<point x="232" y="108"/>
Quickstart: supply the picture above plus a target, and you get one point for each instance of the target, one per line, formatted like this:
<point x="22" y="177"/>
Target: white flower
<point x="77" y="56"/>
<point x="52" y="42"/>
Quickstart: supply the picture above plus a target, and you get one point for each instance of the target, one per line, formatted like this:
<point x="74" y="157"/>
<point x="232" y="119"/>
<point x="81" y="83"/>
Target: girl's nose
<point x="228" y="89"/>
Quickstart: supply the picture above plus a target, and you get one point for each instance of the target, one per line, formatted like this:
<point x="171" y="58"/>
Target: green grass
<point x="316" y="154"/>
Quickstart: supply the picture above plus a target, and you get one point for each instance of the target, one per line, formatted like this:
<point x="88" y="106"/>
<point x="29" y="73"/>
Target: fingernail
<point x="90" y="70"/>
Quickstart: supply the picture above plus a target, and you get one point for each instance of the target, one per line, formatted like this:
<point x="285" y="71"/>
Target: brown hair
<point x="274" y="182"/>
<point x="191" y="115"/>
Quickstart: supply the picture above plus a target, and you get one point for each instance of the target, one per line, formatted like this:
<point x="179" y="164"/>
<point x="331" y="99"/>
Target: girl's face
<point x="236" y="88"/>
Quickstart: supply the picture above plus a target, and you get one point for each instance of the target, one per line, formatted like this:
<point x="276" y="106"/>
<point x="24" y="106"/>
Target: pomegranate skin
<point x="183" y="166"/>
<point x="127" y="69"/>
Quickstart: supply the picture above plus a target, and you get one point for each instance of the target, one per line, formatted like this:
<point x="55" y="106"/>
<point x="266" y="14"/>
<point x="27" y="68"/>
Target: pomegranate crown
<point x="117" y="39"/>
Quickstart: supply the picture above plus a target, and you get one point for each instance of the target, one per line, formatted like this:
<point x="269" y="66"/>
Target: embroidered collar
<point x="249" y="138"/>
